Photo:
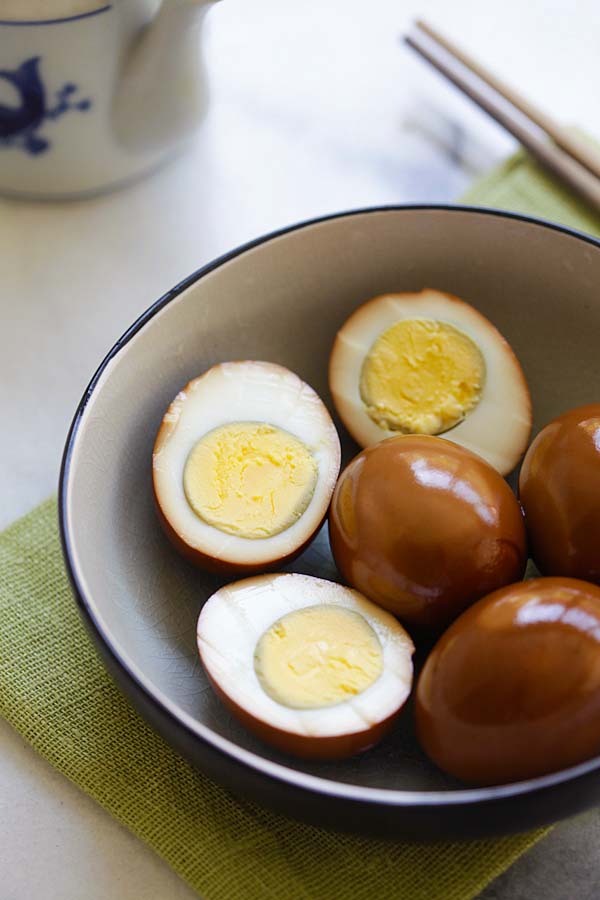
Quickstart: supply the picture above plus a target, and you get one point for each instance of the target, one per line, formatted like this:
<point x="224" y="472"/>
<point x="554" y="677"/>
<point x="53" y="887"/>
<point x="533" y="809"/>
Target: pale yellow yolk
<point x="318" y="656"/>
<point x="250" y="479"/>
<point x="421" y="376"/>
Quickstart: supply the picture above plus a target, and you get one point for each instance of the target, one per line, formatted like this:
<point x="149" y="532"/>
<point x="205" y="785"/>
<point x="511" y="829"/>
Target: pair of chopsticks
<point x="560" y="151"/>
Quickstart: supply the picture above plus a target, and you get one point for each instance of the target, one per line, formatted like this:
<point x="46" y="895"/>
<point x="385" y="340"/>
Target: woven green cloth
<point x="55" y="692"/>
<point x="520" y="185"/>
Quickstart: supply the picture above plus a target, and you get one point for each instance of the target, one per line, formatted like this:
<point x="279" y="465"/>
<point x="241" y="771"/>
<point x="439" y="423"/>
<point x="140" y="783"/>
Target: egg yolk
<point x="250" y="479"/>
<point x="318" y="656"/>
<point x="421" y="376"/>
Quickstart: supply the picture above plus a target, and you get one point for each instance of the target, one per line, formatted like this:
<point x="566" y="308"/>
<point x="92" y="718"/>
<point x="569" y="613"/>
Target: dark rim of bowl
<point x="274" y="770"/>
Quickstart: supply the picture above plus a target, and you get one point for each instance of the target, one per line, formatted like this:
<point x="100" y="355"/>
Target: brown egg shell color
<point x="424" y="528"/>
<point x="223" y="566"/>
<point x="512" y="689"/>
<point x="339" y="746"/>
<point x="559" y="487"/>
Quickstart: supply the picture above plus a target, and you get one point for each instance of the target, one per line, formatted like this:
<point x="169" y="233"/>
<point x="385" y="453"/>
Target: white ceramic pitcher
<point x="93" y="99"/>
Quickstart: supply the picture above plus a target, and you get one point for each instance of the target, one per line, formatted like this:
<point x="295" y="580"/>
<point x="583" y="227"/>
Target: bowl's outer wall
<point x="411" y="821"/>
<point x="283" y="300"/>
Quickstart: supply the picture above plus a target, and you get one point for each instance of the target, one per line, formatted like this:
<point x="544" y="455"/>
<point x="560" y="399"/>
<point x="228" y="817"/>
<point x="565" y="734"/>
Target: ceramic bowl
<point x="282" y="298"/>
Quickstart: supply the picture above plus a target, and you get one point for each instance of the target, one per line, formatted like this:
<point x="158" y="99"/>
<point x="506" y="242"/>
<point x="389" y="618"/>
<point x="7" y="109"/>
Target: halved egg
<point x="309" y="666"/>
<point x="244" y="466"/>
<point x="429" y="363"/>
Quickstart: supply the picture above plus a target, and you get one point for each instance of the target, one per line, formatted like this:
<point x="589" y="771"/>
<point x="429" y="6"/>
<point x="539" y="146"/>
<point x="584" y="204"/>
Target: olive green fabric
<point x="55" y="692"/>
<point x="520" y="185"/>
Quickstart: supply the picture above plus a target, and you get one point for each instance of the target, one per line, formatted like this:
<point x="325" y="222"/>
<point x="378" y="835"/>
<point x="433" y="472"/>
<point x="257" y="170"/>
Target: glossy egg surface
<point x="559" y="487"/>
<point x="512" y="689"/>
<point x="425" y="528"/>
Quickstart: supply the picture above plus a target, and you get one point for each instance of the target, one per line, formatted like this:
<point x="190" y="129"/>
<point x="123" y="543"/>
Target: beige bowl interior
<point x="283" y="300"/>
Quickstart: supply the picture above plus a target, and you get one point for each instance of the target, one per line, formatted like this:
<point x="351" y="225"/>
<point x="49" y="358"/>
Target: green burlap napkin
<point x="520" y="185"/>
<point x="55" y="692"/>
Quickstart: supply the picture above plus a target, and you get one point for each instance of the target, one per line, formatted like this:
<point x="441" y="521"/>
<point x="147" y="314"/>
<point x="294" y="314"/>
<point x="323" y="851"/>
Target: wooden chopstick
<point x="498" y="105"/>
<point x="587" y="155"/>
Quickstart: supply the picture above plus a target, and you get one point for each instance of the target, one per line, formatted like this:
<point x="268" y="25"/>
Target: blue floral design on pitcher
<point x="19" y="125"/>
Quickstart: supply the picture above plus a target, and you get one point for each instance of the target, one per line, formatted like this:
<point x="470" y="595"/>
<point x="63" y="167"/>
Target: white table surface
<point x="316" y="107"/>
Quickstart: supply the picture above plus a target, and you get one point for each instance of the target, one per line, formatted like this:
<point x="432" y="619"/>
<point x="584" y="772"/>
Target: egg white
<point x="236" y="616"/>
<point x="498" y="428"/>
<point x="246" y="391"/>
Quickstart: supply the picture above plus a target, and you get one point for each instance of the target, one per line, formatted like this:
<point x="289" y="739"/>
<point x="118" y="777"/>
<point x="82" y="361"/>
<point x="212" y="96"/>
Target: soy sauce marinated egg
<point x="244" y="465"/>
<point x="429" y="363"/>
<point x="307" y="665"/>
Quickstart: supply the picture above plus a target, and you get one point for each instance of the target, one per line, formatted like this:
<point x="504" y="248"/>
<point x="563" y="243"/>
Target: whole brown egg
<point x="512" y="689"/>
<point x="424" y="528"/>
<point x="559" y="488"/>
